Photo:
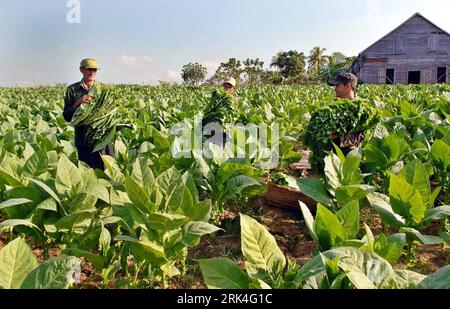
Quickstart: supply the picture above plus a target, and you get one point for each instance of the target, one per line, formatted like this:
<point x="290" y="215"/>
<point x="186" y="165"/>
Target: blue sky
<point x="146" y="41"/>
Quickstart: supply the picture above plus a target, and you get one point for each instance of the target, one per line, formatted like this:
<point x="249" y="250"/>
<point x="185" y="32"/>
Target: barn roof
<point x="415" y="15"/>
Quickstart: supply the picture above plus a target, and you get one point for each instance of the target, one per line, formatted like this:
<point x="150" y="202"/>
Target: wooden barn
<point x="417" y="52"/>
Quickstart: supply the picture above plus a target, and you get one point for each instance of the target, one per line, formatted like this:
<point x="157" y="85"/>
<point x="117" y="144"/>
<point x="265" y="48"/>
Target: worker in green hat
<point x="80" y="93"/>
<point x="345" y="85"/>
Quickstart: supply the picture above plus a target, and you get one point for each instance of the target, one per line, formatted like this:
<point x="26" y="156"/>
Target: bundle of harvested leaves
<point x="100" y="117"/>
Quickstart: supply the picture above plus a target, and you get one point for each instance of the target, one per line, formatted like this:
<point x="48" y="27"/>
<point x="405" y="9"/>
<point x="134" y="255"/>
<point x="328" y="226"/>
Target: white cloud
<point x="65" y="48"/>
<point x="211" y="65"/>
<point x="142" y="62"/>
<point x="374" y="11"/>
<point x="173" y="75"/>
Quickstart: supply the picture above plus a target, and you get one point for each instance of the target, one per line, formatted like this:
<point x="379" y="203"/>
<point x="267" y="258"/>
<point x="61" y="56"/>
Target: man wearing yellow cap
<point x="77" y="94"/>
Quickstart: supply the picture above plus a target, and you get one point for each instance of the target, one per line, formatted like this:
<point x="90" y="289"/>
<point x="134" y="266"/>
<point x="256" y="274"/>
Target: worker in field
<point x="221" y="111"/>
<point x="77" y="94"/>
<point x="229" y="85"/>
<point x="345" y="85"/>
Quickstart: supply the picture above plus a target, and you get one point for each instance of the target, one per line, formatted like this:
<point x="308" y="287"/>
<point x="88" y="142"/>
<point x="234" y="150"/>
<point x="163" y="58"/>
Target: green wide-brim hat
<point x="89" y="64"/>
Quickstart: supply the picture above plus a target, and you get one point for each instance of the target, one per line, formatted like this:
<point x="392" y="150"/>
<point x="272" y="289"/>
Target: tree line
<point x="291" y="67"/>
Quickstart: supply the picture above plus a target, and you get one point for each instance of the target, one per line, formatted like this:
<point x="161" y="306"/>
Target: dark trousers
<point x="94" y="160"/>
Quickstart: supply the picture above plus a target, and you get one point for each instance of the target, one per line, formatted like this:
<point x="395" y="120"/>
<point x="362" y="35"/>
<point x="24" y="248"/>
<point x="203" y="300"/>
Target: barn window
<point x="414" y="77"/>
<point x="390" y="76"/>
<point x="441" y="75"/>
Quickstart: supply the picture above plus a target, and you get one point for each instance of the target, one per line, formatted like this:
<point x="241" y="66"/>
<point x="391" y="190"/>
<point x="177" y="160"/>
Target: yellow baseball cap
<point x="89" y="63"/>
<point x="231" y="81"/>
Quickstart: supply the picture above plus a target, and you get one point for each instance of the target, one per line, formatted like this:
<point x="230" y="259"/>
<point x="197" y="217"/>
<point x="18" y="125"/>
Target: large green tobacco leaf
<point x="415" y="235"/>
<point x="192" y="231"/>
<point x="168" y="184"/>
<point x="263" y="258"/>
<point x="95" y="259"/>
<point x="83" y="201"/>
<point x="112" y="169"/>
<point x="437" y="280"/>
<point x="17" y="222"/>
<point x="381" y="203"/>
<point x="406" y="200"/>
<point x="68" y="176"/>
<point x="230" y="169"/>
<point x="180" y="197"/>
<point x="416" y="175"/>
<point x="10" y="179"/>
<point x="49" y="204"/>
<point x="391" y="247"/>
<point x="349" y="218"/>
<point x="164" y="222"/>
<point x="329" y="230"/>
<point x="93" y="186"/>
<point x="14" y="202"/>
<point x="406" y="279"/>
<point x="47" y="189"/>
<point x="375" y="155"/>
<point x="199" y="211"/>
<point x="77" y="222"/>
<point x="9" y="171"/>
<point x="437" y="213"/>
<point x="16" y="262"/>
<point x="350" y="170"/>
<point x="56" y="273"/>
<point x="440" y="152"/>
<point x="138" y="195"/>
<point x="222" y="273"/>
<point x="333" y="170"/>
<point x="142" y="174"/>
<point x="315" y="189"/>
<point x="309" y="221"/>
<point x="237" y="184"/>
<point x="145" y="249"/>
<point x="367" y="265"/>
<point x="347" y="194"/>
<point x="36" y="165"/>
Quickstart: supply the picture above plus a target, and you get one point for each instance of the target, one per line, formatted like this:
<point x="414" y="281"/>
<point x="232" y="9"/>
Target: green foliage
<point x="140" y="215"/>
<point x="341" y="117"/>
<point x="221" y="109"/>
<point x="331" y="230"/>
<point x="338" y="268"/>
<point x="193" y="73"/>
<point x="100" y="119"/>
<point x="291" y="64"/>
<point x="20" y="269"/>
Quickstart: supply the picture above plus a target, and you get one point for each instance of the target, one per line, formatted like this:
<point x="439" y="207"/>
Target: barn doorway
<point x="441" y="75"/>
<point x="390" y="76"/>
<point x="413" y="77"/>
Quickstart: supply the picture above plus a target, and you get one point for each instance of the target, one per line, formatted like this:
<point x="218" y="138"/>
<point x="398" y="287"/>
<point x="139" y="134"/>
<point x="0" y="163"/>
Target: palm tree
<point x="278" y="61"/>
<point x="331" y="69"/>
<point x="317" y="59"/>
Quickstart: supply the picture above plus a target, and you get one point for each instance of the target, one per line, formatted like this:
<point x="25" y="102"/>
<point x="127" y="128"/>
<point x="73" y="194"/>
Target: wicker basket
<point x="285" y="198"/>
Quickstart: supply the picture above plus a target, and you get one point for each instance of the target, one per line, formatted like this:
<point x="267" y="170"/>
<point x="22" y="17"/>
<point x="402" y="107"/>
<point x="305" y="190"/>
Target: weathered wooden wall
<point x="417" y="45"/>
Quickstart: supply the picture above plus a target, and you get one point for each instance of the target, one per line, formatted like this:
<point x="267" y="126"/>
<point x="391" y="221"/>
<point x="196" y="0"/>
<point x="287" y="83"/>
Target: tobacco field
<point x="155" y="220"/>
